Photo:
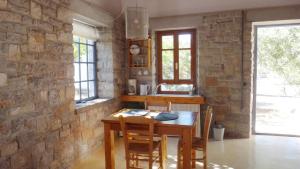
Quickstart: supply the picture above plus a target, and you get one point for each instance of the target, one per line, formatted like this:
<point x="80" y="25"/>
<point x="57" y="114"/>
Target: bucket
<point x="219" y="133"/>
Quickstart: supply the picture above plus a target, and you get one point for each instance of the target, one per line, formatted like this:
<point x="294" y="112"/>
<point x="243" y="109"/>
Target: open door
<point x="277" y="84"/>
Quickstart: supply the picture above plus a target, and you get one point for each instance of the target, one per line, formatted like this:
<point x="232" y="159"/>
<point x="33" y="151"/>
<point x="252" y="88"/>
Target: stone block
<point x="70" y="92"/>
<point x="14" y="52"/>
<point x="25" y="109"/>
<point x="36" y="41"/>
<point x="82" y="117"/>
<point x="51" y="37"/>
<point x="35" y="10"/>
<point x="9" y="149"/>
<point x="65" y="133"/>
<point x="55" y="124"/>
<point x="211" y="81"/>
<point x="20" y="160"/>
<point x="65" y="37"/>
<point x="42" y="124"/>
<point x="3" y="4"/>
<point x="3" y="79"/>
<point x="4" y="163"/>
<point x="64" y="14"/>
<point x="10" y="17"/>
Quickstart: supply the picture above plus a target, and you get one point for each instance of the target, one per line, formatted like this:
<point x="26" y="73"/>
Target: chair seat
<point x="142" y="148"/>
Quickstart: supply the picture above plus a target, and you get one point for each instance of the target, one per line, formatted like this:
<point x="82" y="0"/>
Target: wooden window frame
<point x="176" y="49"/>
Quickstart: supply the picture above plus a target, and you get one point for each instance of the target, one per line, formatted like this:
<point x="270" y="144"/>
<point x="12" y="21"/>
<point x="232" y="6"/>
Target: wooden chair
<point x="198" y="144"/>
<point x="138" y="135"/>
<point x="152" y="104"/>
<point x="158" y="105"/>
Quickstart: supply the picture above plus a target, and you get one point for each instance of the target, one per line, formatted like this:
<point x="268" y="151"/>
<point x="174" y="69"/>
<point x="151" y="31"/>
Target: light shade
<point x="137" y="23"/>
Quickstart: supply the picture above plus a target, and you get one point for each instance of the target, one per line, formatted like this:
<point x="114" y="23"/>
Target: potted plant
<point x="218" y="131"/>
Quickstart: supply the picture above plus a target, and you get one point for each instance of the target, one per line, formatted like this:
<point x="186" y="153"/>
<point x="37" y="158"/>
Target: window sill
<point x="79" y="107"/>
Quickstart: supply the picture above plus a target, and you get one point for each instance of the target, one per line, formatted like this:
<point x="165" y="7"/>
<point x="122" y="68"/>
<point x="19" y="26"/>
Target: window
<point x="176" y="51"/>
<point x="85" y="69"/>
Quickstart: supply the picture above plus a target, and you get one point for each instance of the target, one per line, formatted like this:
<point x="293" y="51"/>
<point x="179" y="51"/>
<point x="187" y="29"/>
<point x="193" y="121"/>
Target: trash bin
<point x="219" y="132"/>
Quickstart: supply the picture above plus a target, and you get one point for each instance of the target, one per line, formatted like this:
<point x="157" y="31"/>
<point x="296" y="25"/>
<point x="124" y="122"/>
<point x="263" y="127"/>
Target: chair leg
<point x="161" y="157"/>
<point x="179" y="156"/>
<point x="193" y="158"/>
<point x="204" y="160"/>
<point x="150" y="161"/>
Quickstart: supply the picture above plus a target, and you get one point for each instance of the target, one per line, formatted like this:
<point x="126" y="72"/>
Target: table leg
<point x="187" y="148"/>
<point x="109" y="147"/>
<point x="194" y="151"/>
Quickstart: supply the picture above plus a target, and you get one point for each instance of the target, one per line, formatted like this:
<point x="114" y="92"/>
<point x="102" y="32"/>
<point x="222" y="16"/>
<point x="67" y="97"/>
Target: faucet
<point x="157" y="86"/>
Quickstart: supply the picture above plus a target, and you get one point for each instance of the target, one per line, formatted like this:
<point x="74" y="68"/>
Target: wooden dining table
<point x="183" y="126"/>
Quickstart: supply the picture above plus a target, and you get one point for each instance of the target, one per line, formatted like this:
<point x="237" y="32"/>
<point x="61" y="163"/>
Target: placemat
<point x="166" y="116"/>
<point x="135" y="112"/>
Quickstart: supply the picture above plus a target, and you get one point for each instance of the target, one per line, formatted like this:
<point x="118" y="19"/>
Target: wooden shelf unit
<point x="143" y="59"/>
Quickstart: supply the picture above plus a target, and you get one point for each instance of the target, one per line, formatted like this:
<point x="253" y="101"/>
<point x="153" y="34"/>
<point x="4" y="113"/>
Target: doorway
<point x="277" y="84"/>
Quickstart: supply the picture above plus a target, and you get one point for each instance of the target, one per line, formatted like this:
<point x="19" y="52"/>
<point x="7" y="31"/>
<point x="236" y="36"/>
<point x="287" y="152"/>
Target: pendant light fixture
<point x="137" y="22"/>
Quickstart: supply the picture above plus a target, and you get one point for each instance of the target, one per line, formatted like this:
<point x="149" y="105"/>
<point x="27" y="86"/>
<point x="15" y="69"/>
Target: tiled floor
<point x="259" y="152"/>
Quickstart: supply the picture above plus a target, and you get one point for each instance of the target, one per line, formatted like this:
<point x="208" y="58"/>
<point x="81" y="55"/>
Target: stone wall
<point x="225" y="76"/>
<point x="220" y="50"/>
<point x="38" y="124"/>
<point x="219" y="58"/>
<point x="90" y="132"/>
<point x="37" y="112"/>
<point x="111" y="70"/>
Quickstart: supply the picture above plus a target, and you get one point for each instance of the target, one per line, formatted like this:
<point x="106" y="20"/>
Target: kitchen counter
<point x="179" y="99"/>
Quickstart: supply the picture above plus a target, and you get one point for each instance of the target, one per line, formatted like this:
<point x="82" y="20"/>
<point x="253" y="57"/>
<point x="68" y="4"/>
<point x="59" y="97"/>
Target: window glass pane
<point x="82" y="40"/>
<point x="91" y="42"/>
<point x="83" y="53"/>
<point x="91" y="71"/>
<point x="90" y="54"/>
<point x="167" y="65"/>
<point x="185" y="41"/>
<point x="185" y="64"/>
<point x="91" y="89"/>
<point x="76" y="74"/>
<point x="84" y="68"/>
<point x="84" y="90"/>
<point x="76" y="54"/>
<point x="77" y="91"/>
<point x="75" y="38"/>
<point x="179" y="87"/>
<point x="168" y="42"/>
<point x="83" y="71"/>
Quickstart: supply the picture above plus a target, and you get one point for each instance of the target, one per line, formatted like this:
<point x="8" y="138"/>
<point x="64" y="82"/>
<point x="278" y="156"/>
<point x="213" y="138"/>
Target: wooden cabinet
<point x="139" y="53"/>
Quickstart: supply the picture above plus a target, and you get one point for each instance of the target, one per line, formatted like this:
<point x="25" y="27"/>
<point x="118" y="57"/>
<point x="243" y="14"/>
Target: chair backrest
<point x="160" y="105"/>
<point x="208" y="117"/>
<point x="137" y="129"/>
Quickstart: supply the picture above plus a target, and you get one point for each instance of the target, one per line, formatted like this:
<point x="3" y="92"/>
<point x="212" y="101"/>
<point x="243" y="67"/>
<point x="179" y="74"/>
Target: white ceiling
<point x="159" y="8"/>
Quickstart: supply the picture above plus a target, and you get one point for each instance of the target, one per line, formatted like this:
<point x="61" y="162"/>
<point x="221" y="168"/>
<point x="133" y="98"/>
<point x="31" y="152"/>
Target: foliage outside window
<point x="176" y="51"/>
<point x="280" y="51"/>
<point x="85" y="69"/>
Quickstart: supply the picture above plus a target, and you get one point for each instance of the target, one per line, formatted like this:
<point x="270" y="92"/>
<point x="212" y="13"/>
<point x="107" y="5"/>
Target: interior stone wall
<point x="225" y="57"/>
<point x="39" y="127"/>
<point x="220" y="50"/>
<point x="111" y="70"/>
<point x="37" y="96"/>
<point x="219" y="58"/>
